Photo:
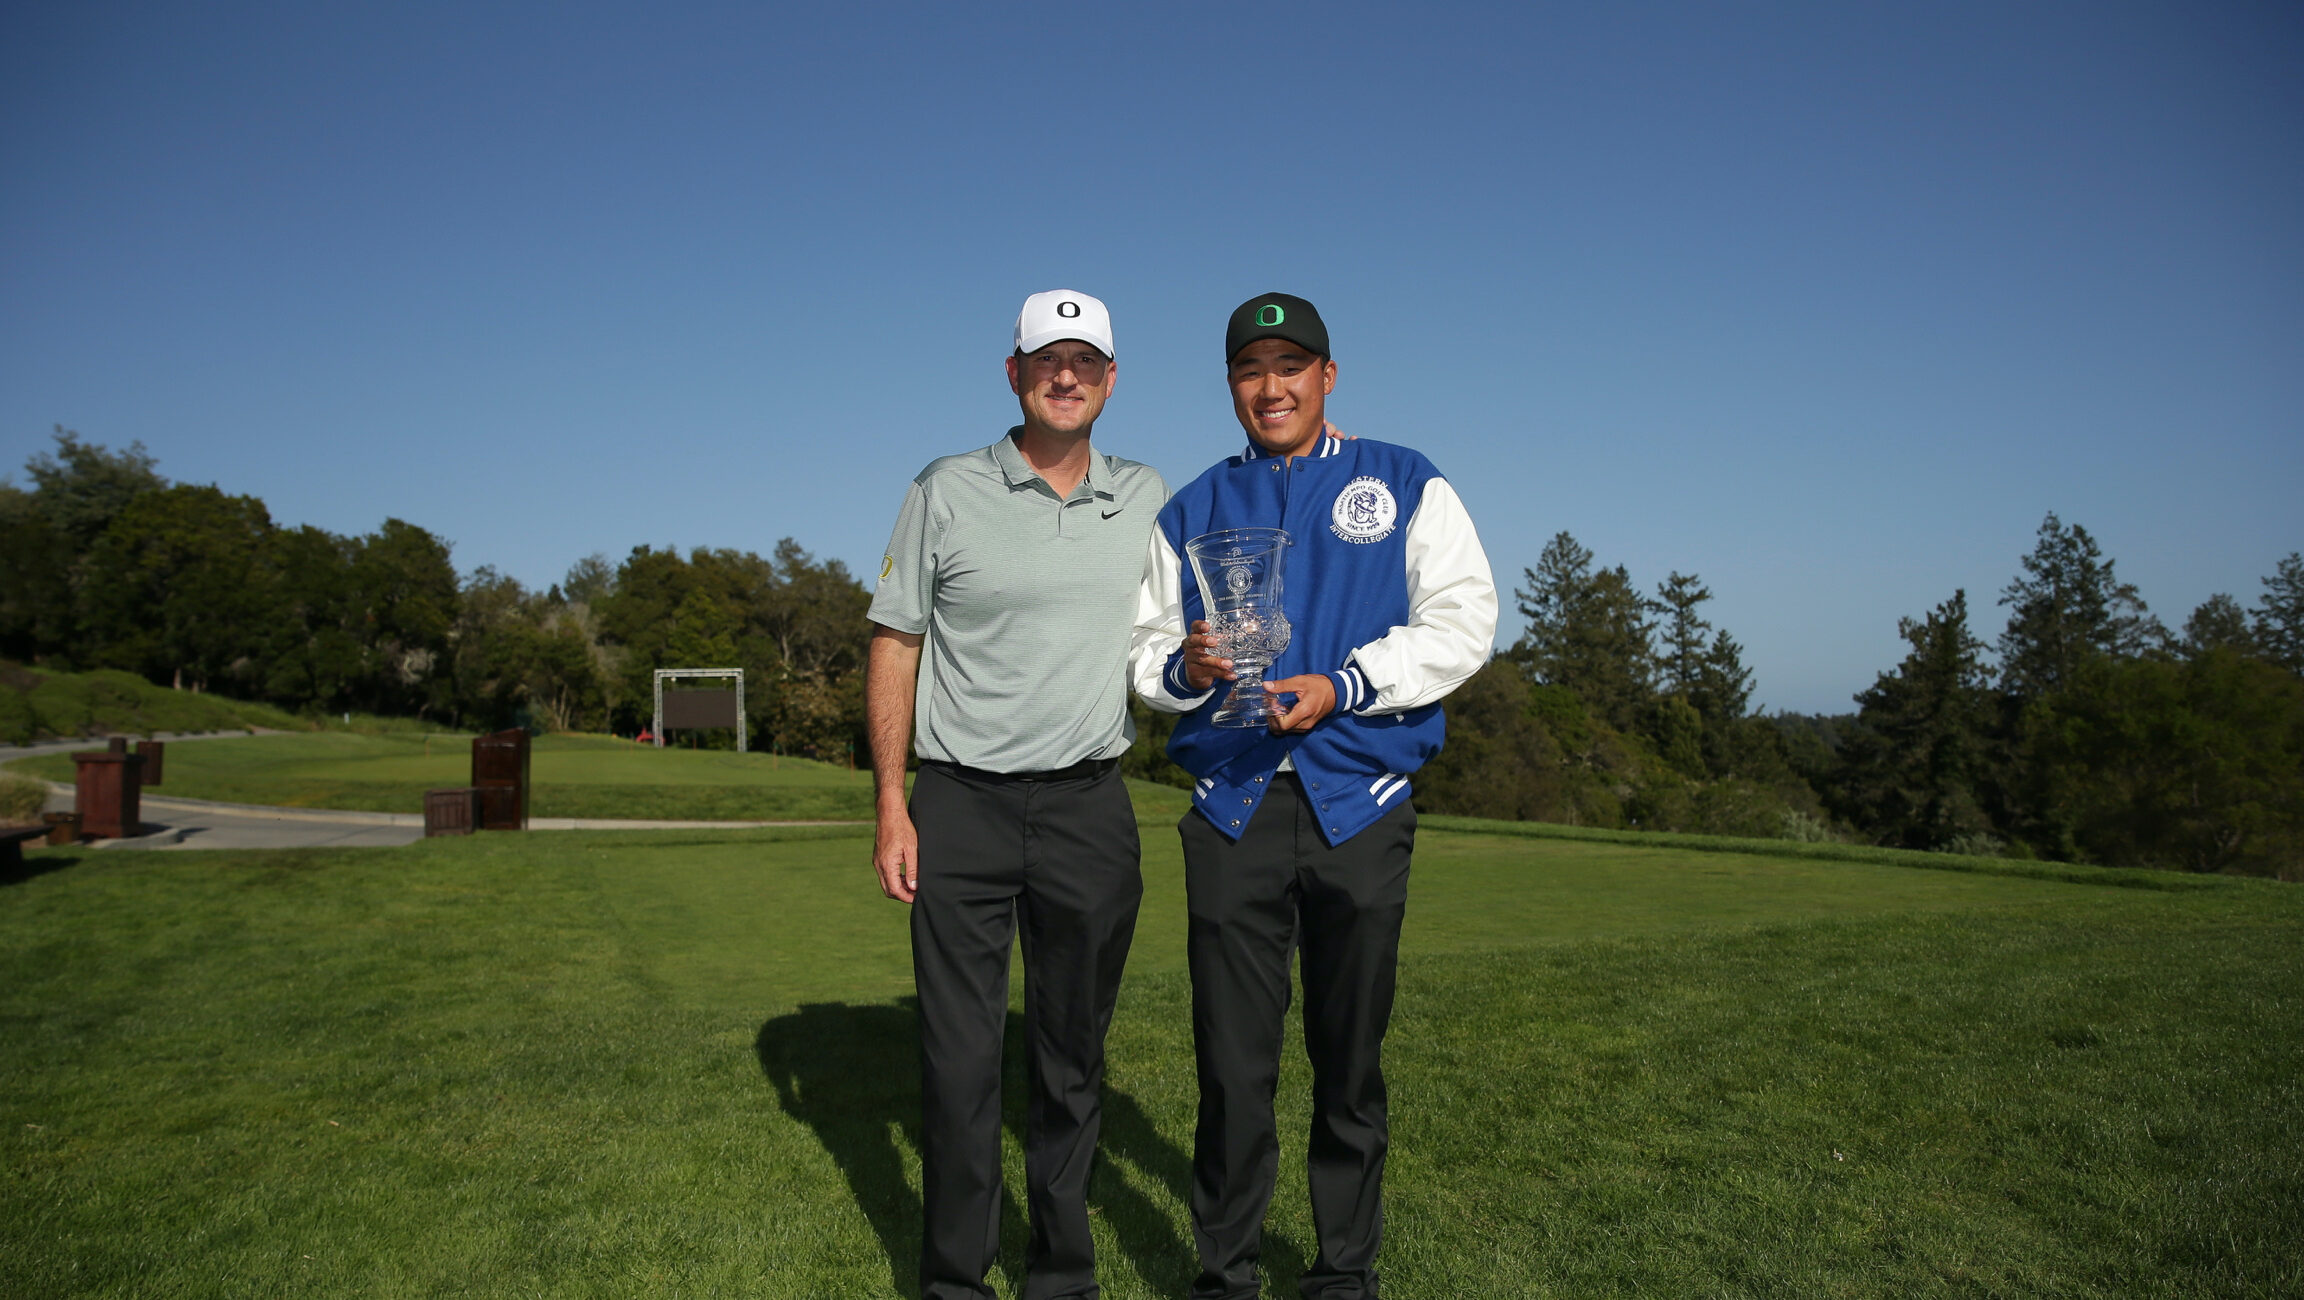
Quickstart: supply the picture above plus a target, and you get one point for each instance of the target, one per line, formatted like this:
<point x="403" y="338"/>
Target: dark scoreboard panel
<point x="688" y="710"/>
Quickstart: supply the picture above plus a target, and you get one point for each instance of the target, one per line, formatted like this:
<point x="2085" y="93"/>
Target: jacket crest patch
<point x="1364" y="511"/>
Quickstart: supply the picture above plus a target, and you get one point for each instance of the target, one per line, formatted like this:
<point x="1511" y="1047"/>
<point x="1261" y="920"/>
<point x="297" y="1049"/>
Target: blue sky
<point x="1828" y="304"/>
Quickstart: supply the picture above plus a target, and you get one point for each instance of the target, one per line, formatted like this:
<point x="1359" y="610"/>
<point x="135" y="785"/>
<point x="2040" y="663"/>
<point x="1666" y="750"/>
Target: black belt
<point x="1086" y="767"/>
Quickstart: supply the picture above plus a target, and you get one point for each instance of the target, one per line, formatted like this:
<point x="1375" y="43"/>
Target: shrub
<point x="21" y="798"/>
<point x="1801" y="828"/>
<point x="19" y="724"/>
<point x="1975" y="844"/>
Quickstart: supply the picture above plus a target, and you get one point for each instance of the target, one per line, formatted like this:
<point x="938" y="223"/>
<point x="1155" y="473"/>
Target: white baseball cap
<point x="1063" y="314"/>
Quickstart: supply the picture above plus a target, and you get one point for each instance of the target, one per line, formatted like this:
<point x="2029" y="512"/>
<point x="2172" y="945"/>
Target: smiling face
<point x="1280" y="395"/>
<point x="1062" y="387"/>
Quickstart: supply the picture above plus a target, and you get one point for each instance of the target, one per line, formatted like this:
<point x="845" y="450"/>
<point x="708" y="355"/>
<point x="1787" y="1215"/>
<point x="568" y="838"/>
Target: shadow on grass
<point x="852" y="1075"/>
<point x="1153" y="1242"/>
<point x="37" y="864"/>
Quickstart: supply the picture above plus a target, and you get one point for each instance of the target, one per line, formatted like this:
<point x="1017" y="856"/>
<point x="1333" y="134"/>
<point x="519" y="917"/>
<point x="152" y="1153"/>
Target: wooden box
<point x="108" y="790"/>
<point x="453" y="811"/>
<point x="500" y="770"/>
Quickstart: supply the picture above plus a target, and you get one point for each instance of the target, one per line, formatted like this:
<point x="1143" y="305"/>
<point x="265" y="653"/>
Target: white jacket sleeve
<point x="1159" y="633"/>
<point x="1451" y="615"/>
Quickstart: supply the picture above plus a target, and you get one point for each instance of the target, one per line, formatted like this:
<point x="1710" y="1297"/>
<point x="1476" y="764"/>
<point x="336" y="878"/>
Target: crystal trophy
<point x="1239" y="572"/>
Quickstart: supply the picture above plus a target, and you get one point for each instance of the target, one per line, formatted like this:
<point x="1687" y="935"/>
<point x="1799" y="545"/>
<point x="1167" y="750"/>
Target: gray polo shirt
<point x="1026" y="601"/>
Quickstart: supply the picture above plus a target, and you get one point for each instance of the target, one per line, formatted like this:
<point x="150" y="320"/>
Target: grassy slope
<point x="575" y="776"/>
<point x="675" y="1064"/>
<point x="36" y="704"/>
<point x="380" y="766"/>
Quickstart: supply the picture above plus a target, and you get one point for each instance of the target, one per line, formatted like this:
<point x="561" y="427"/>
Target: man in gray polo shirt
<point x="1002" y="622"/>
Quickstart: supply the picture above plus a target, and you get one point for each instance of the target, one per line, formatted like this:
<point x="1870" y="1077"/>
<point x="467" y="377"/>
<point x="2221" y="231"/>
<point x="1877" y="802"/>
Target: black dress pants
<point x="1253" y="902"/>
<point x="1059" y="858"/>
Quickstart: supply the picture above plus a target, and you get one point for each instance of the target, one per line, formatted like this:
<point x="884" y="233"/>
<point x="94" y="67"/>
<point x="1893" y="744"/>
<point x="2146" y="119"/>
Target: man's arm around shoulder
<point x="891" y="676"/>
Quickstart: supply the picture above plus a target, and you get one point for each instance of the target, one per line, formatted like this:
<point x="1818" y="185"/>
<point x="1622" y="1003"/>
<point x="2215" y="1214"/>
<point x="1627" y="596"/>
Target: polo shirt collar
<point x="1019" y="472"/>
<point x="1010" y="458"/>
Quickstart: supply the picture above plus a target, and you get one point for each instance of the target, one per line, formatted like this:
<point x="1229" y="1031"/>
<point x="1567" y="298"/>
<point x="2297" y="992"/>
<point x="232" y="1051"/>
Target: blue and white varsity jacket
<point x="1387" y="592"/>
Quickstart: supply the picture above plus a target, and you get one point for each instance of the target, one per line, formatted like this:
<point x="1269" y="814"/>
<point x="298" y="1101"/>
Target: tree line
<point x="2098" y="734"/>
<point x="106" y="564"/>
<point x="2087" y="732"/>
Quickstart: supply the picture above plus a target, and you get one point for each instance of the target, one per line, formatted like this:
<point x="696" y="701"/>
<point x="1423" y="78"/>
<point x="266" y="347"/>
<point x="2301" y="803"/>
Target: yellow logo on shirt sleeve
<point x="887" y="566"/>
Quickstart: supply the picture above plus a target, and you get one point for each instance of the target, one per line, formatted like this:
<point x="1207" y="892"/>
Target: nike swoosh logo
<point x="1109" y="513"/>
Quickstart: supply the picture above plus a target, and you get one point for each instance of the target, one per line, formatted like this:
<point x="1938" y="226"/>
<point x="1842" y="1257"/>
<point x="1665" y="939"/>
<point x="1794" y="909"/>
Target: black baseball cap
<point x="1276" y="316"/>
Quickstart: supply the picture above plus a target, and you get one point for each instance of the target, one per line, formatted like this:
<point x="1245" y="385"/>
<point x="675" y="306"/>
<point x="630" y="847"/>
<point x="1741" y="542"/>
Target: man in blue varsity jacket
<point x="1299" y="835"/>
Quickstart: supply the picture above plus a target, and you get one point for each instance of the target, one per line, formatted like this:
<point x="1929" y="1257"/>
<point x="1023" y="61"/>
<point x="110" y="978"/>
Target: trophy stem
<point x="1247" y="705"/>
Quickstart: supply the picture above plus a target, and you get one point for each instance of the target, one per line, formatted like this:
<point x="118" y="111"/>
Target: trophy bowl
<point x="1239" y="571"/>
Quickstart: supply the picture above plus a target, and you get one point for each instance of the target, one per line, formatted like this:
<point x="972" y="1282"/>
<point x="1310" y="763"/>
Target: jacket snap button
<point x="1235" y="821"/>
<point x="1244" y="799"/>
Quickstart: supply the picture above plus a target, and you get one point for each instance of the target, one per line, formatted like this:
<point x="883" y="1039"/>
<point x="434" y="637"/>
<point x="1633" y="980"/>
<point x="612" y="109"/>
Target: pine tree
<point x="1683" y="633"/>
<point x="1549" y="602"/>
<point x="2280" y="615"/>
<point x="1588" y="630"/>
<point x="2067" y="606"/>
<point x="1723" y="684"/>
<point x="1917" y="752"/>
<point x="2219" y="623"/>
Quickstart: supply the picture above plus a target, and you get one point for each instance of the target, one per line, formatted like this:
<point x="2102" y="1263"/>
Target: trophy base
<point x="1242" y="718"/>
<point x="1247" y="705"/>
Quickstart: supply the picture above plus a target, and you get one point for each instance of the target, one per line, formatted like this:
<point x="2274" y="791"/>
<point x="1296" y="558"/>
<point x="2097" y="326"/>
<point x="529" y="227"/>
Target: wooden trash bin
<point x="108" y="791"/>
<point x="63" y="828"/>
<point x="453" y="811"/>
<point x="500" y="772"/>
<point x="155" y="754"/>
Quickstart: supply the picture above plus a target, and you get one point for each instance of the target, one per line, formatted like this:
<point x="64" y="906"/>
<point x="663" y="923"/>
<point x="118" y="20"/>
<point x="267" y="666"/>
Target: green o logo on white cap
<point x="1270" y="314"/>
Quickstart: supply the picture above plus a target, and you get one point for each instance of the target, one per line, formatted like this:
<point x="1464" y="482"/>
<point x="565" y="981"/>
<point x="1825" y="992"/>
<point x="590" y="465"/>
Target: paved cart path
<point x="173" y="823"/>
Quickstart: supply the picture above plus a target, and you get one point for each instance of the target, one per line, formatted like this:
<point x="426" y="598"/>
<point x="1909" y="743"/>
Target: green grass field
<point x="680" y="1064"/>
<point x="575" y="776"/>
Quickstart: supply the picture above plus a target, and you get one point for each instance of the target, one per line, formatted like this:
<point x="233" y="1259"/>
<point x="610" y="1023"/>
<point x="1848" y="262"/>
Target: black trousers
<point x="1059" y="859"/>
<point x="1279" y="888"/>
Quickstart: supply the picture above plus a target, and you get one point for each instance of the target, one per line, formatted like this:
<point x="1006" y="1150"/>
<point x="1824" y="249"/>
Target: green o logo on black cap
<point x="1270" y="314"/>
